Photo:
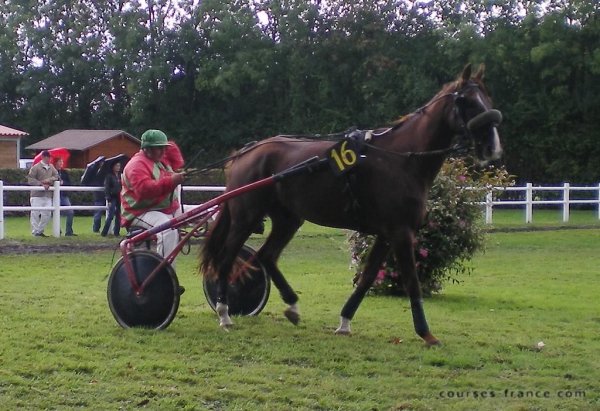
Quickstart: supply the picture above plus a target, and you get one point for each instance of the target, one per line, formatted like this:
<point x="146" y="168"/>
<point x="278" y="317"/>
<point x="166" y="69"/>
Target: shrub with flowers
<point x="452" y="233"/>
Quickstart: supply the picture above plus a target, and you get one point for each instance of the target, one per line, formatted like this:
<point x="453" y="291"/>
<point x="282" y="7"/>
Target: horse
<point x="384" y="194"/>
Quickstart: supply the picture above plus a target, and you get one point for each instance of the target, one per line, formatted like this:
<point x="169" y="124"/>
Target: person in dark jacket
<point x="65" y="180"/>
<point x="112" y="190"/>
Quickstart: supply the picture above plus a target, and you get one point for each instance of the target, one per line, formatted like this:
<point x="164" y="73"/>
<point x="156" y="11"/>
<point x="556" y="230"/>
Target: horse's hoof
<point x="431" y="341"/>
<point x="292" y="316"/>
<point x="340" y="331"/>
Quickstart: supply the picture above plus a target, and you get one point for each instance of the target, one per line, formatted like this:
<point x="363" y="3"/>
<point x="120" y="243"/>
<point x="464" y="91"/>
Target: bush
<point x="452" y="233"/>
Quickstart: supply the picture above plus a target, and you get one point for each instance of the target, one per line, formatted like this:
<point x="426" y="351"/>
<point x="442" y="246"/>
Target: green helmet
<point x="154" y="138"/>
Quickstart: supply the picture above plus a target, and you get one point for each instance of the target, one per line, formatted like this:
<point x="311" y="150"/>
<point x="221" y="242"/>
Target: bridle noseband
<point x="464" y="134"/>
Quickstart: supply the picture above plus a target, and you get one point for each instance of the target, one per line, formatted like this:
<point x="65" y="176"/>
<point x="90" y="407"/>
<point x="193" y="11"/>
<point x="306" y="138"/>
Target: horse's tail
<point x="212" y="252"/>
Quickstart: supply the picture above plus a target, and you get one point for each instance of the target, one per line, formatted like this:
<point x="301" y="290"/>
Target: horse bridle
<point x="467" y="126"/>
<point x="464" y="134"/>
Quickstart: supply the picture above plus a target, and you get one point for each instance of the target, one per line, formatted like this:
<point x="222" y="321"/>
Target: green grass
<point x="60" y="348"/>
<point x="17" y="228"/>
<point x="507" y="218"/>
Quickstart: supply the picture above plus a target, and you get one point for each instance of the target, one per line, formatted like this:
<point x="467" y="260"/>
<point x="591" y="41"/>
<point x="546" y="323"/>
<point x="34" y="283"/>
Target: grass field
<point x="17" y="228"/>
<point x="60" y="348"/>
<point x="515" y="218"/>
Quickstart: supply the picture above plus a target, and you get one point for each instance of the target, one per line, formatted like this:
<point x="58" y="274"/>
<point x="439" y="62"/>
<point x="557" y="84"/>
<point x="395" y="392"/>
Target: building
<point x="10" y="146"/>
<point x="86" y="145"/>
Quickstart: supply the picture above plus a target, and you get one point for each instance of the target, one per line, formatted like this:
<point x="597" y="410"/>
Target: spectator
<point x="91" y="178"/>
<point x="42" y="174"/>
<point x="65" y="180"/>
<point x="147" y="198"/>
<point x="98" y="201"/>
<point x="112" y="190"/>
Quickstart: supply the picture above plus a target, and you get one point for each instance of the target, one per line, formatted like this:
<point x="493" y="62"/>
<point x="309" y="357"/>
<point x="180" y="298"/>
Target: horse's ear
<point x="466" y="73"/>
<point x="480" y="72"/>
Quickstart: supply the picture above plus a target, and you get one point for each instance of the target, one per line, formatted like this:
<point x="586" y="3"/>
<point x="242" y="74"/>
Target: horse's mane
<point x="449" y="87"/>
<point x="402" y="119"/>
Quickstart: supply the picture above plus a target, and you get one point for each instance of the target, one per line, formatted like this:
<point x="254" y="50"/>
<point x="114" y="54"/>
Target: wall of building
<point x="8" y="153"/>
<point x="115" y="146"/>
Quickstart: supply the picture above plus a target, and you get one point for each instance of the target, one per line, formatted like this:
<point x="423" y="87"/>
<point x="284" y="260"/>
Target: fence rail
<point x="57" y="208"/>
<point x="563" y="192"/>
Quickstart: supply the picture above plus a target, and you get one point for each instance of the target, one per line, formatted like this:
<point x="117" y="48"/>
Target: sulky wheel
<point x="247" y="294"/>
<point x="156" y="306"/>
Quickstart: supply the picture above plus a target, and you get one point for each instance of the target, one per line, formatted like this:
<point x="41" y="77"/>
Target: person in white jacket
<point x="42" y="174"/>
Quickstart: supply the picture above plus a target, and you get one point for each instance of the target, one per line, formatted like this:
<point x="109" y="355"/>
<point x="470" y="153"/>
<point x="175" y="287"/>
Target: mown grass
<point x="543" y="218"/>
<point x="17" y="227"/>
<point x="60" y="348"/>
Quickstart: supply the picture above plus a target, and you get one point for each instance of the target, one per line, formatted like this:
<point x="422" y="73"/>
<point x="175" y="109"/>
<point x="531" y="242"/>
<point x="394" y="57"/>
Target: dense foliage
<point x="451" y="234"/>
<point x="216" y="74"/>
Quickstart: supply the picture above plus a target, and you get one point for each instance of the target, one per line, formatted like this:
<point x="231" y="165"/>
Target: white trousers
<point x="40" y="218"/>
<point x="166" y="240"/>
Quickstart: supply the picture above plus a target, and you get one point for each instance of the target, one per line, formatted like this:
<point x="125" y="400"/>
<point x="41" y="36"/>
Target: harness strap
<point x="353" y="207"/>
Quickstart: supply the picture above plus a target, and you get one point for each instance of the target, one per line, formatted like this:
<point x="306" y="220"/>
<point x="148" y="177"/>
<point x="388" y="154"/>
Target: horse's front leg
<point x="404" y="249"/>
<point x="374" y="260"/>
<point x="284" y="226"/>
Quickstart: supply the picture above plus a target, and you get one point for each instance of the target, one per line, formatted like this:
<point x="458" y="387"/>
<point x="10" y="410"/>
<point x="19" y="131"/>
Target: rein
<point x="460" y="147"/>
<point x="365" y="136"/>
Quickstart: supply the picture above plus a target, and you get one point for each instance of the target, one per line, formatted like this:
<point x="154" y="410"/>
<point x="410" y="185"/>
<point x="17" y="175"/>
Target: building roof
<point x="79" y="139"/>
<point x="11" y="132"/>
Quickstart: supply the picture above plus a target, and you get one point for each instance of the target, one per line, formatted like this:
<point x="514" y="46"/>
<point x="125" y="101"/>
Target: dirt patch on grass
<point x="56" y="246"/>
<point x="16" y="247"/>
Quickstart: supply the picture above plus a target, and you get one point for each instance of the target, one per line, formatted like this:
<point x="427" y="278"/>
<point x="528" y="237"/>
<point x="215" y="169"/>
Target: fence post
<point x="528" y="203"/>
<point x="56" y="212"/>
<point x="566" y="195"/>
<point x="489" y="204"/>
<point x="599" y="201"/>
<point x="1" y="210"/>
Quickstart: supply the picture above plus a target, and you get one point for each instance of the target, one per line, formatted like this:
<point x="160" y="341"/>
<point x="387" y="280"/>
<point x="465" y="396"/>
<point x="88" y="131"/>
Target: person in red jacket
<point x="148" y="183"/>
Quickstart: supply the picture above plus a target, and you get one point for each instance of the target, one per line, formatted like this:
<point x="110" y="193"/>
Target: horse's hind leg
<point x="404" y="249"/>
<point x="222" y="308"/>
<point x="284" y="226"/>
<point x="241" y="228"/>
<point x="378" y="252"/>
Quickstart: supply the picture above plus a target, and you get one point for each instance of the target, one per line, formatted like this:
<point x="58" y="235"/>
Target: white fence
<point x="564" y="193"/>
<point x="533" y="197"/>
<point x="57" y="208"/>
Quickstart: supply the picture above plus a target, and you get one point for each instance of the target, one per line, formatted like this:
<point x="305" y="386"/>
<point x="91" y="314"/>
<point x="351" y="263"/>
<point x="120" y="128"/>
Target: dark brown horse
<point x="384" y="194"/>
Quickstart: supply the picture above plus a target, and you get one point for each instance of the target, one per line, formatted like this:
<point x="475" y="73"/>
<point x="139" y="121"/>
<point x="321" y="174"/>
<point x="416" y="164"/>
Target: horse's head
<point x="475" y="118"/>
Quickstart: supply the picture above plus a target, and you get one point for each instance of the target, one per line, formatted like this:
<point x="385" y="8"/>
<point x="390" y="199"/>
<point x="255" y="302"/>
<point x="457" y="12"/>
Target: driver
<point x="147" y="196"/>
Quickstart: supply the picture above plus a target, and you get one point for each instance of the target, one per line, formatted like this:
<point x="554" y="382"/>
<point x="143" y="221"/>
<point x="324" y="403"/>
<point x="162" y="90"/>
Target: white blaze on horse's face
<point x="496" y="151"/>
<point x="490" y="147"/>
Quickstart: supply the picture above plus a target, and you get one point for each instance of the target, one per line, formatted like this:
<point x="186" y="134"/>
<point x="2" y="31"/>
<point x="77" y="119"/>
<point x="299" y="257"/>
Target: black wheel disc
<point x="156" y="306"/>
<point x="247" y="294"/>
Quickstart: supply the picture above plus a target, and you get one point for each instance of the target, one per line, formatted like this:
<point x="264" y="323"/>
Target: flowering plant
<point x="452" y="233"/>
